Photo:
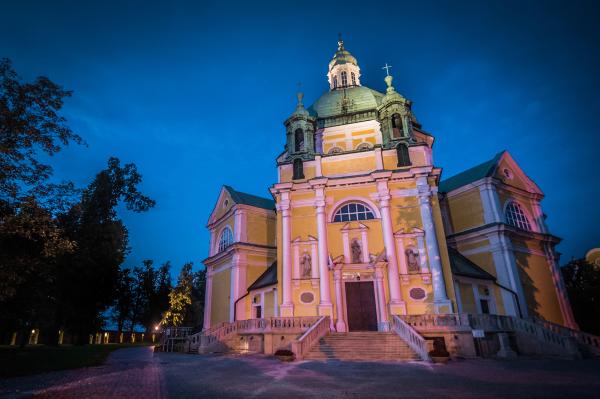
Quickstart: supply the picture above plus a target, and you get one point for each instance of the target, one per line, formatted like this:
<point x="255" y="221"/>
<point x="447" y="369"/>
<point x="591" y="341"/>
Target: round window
<point x="507" y="173"/>
<point x="307" y="297"/>
<point x="417" y="294"/>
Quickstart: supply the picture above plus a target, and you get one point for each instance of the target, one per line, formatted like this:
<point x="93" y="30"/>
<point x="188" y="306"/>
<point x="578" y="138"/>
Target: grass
<point x="16" y="362"/>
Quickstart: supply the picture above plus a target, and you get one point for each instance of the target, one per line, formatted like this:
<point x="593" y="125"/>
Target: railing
<point x="414" y="340"/>
<point x="580" y="336"/>
<point x="497" y="323"/>
<point x="302" y="345"/>
<point x="223" y="331"/>
<point x="437" y="321"/>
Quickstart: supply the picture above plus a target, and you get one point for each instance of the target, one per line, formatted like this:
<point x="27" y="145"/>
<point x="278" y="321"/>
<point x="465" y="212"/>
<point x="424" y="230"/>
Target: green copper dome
<point x="346" y="101"/>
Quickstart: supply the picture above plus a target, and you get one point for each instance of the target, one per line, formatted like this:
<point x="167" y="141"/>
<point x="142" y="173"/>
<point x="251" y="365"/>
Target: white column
<point x="275" y="303"/>
<point x="346" y="247"/>
<point x="208" y="300"/>
<point x="561" y="290"/>
<point x="340" y="325"/>
<point x="383" y="313"/>
<point x="318" y="170"/>
<point x="378" y="158"/>
<point x="458" y="296"/>
<point x="490" y="203"/>
<point x="287" y="307"/>
<point x="325" y="306"/>
<point x="396" y="304"/>
<point x="234" y="283"/>
<point x="213" y="237"/>
<point x="237" y="226"/>
<point x="538" y="214"/>
<point x="402" y="255"/>
<point x="365" y="245"/>
<point x="296" y="263"/>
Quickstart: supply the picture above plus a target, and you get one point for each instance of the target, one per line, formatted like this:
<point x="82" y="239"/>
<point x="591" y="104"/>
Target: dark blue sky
<point x="195" y="94"/>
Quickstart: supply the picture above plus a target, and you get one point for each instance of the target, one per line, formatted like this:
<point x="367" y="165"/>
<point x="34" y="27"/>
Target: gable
<point x="224" y="203"/>
<point x="511" y="174"/>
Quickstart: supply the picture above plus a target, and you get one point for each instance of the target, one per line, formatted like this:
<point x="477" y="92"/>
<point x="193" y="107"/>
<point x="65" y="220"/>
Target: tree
<point x="29" y="123"/>
<point x="582" y="280"/>
<point x="196" y="316"/>
<point x="88" y="277"/>
<point x="124" y="299"/>
<point x="180" y="298"/>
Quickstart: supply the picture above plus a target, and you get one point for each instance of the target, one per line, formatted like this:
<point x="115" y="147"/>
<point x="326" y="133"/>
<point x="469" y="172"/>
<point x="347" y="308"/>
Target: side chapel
<point x="361" y="227"/>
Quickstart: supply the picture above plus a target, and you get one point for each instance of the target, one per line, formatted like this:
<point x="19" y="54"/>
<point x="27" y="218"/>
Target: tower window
<point x="299" y="140"/>
<point x="353" y="76"/>
<point x="353" y="211"/>
<point x="403" y="157"/>
<point x="335" y="82"/>
<point x="344" y="79"/>
<point x="226" y="239"/>
<point x="298" y="169"/>
<point x="397" y="130"/>
<point x="515" y="216"/>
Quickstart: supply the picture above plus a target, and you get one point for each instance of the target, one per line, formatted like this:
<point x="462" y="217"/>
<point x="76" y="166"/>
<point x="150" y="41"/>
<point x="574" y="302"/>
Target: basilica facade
<point x="361" y="226"/>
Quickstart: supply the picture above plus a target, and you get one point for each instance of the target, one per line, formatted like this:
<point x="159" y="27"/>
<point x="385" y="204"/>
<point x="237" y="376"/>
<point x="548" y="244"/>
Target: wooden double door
<point x="360" y="306"/>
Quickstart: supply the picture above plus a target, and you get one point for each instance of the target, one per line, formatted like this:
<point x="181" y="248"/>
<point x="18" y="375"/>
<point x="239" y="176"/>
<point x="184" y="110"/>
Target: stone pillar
<point x="234" y="285"/>
<point x="365" y="245"/>
<point x="561" y="290"/>
<point x="435" y="262"/>
<point x="208" y="300"/>
<point x="490" y="203"/>
<point x="397" y="305"/>
<point x="401" y="252"/>
<point x="383" y="324"/>
<point x="340" y="325"/>
<point x="422" y="254"/>
<point x="287" y="307"/>
<point x="318" y="167"/>
<point x="325" y="306"/>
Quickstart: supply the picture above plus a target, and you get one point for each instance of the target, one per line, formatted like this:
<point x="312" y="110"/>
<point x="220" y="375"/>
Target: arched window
<point x="397" y="130"/>
<point x="335" y="82"/>
<point x="363" y="146"/>
<point x="515" y="216"/>
<point x="226" y="239"/>
<point x="403" y="157"/>
<point x="335" y="150"/>
<point x="298" y="169"/>
<point x="353" y="211"/>
<point x="299" y="140"/>
<point x="353" y="76"/>
<point x="344" y="79"/>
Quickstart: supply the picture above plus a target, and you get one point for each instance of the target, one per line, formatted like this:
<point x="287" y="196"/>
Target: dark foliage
<point x="582" y="280"/>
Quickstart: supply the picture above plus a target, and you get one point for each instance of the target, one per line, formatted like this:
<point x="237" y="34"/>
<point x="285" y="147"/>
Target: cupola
<point x="343" y="69"/>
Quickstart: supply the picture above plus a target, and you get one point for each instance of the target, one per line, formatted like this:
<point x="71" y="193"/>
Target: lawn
<point x="39" y="359"/>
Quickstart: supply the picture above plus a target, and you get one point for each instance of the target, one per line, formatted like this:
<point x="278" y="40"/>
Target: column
<point x="234" y="286"/>
<point x="314" y="269"/>
<point x="561" y="290"/>
<point x="318" y="170"/>
<point x="287" y="307"/>
<point x="365" y="245"/>
<point x="401" y="251"/>
<point x="383" y="324"/>
<point x="340" y="325"/>
<point x="435" y="263"/>
<point x="325" y="306"/>
<point x="397" y="306"/>
<point x="213" y="237"/>
<point x="490" y="203"/>
<point x="296" y="264"/>
<point x="208" y="300"/>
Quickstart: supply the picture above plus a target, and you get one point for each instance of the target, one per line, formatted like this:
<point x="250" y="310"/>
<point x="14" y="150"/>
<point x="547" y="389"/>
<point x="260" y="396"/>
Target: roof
<point x="249" y="199"/>
<point x="462" y="266"/>
<point x="358" y="98"/>
<point x="475" y="173"/>
<point x="269" y="277"/>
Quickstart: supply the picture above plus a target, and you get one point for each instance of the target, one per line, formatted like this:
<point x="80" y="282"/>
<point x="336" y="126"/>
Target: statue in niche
<point x="356" y="251"/>
<point x="306" y="264"/>
<point x="412" y="260"/>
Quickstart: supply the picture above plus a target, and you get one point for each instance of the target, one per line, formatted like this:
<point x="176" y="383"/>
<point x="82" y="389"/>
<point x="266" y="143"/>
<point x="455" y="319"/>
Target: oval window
<point x="307" y="297"/>
<point x="417" y="294"/>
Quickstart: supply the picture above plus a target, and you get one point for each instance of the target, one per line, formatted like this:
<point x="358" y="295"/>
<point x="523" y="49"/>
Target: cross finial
<point x="299" y="95"/>
<point x="340" y="42"/>
<point x="387" y="69"/>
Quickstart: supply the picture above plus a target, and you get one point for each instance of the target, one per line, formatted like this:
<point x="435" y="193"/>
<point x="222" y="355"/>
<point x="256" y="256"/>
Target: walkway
<point x="135" y="373"/>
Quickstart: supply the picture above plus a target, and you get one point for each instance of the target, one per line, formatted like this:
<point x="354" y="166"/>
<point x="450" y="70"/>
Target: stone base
<point x="286" y="310"/>
<point x="326" y="309"/>
<point x="442" y="307"/>
<point x="505" y="349"/>
<point x="398" y="308"/>
<point x="340" y="326"/>
<point x="383" y="326"/>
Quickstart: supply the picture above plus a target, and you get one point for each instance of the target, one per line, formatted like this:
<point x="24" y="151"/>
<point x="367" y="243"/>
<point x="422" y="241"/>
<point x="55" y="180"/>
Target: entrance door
<point x="360" y="301"/>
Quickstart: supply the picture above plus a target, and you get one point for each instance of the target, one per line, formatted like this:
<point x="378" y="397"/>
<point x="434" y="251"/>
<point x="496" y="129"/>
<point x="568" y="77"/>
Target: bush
<point x="284" y="352"/>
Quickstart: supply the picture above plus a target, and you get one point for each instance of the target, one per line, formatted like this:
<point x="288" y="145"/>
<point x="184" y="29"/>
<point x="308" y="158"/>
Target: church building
<point x="361" y="227"/>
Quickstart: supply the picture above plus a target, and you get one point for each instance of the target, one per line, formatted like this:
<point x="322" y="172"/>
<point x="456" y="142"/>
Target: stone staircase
<point x="365" y="346"/>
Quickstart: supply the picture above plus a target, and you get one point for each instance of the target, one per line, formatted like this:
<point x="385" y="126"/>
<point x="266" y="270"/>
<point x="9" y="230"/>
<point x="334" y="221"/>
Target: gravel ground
<point x="138" y="373"/>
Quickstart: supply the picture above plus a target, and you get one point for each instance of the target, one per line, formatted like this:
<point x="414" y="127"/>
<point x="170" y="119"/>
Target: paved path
<point x="136" y="373"/>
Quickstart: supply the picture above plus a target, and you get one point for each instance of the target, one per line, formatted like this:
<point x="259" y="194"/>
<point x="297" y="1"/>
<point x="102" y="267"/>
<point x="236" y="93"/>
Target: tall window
<point x="298" y="169"/>
<point x="226" y="239"/>
<point x="403" y="157"/>
<point x="353" y="211"/>
<point x="299" y="140"/>
<point x="397" y="131"/>
<point x="335" y="82"/>
<point x="516" y="217"/>
<point x="353" y="76"/>
<point x="344" y="79"/>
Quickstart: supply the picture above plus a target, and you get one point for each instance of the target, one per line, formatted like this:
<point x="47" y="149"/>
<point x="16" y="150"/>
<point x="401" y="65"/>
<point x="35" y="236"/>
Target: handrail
<point x="302" y="345"/>
<point x="414" y="340"/>
<point x="580" y="336"/>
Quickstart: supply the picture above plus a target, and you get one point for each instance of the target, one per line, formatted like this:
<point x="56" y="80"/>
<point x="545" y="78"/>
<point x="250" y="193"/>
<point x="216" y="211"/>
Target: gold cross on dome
<point x="387" y="69"/>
